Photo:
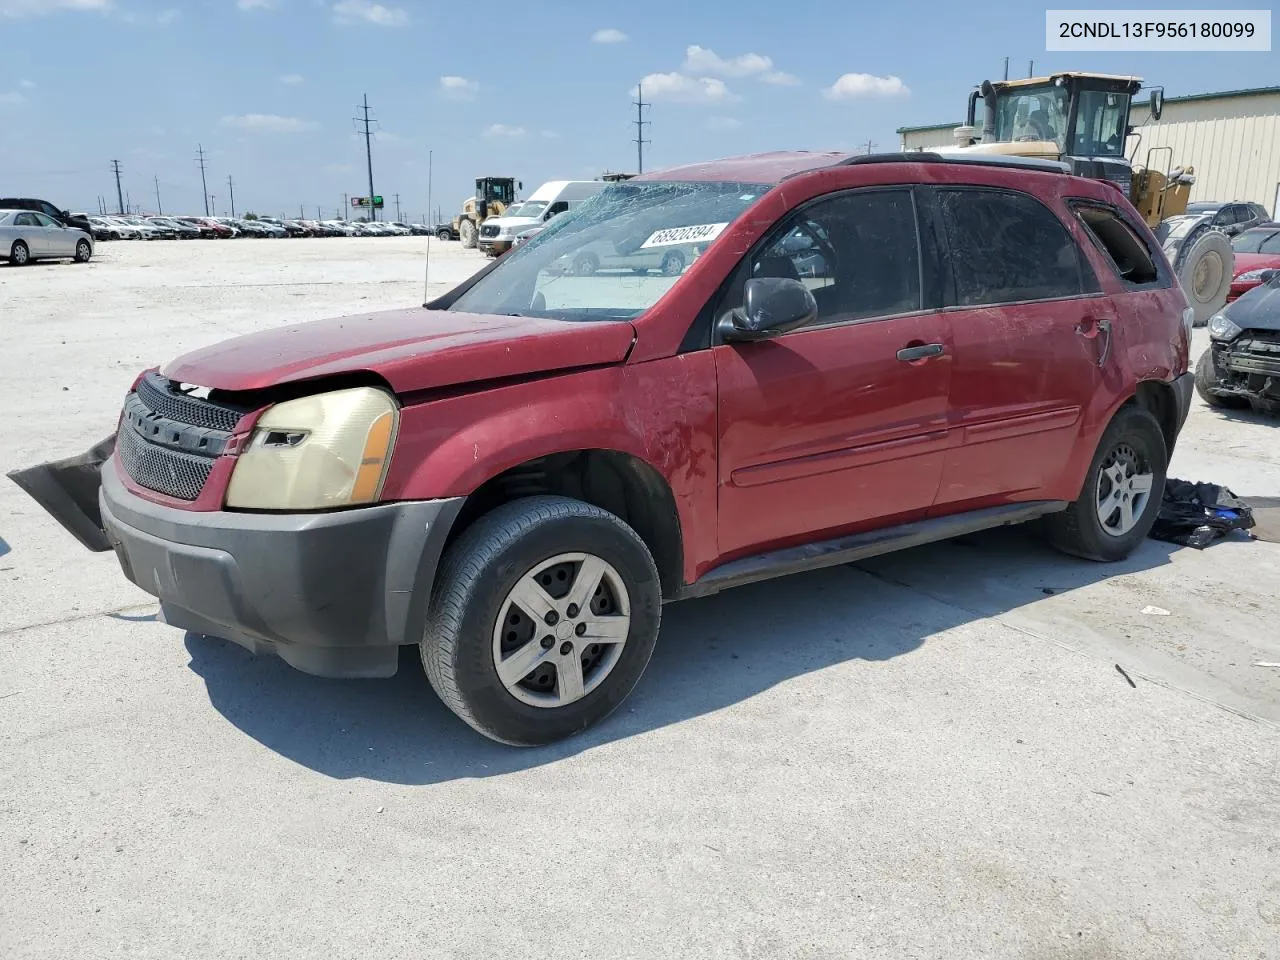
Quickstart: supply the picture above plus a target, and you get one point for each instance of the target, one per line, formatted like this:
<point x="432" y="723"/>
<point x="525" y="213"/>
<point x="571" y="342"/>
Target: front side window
<point x="43" y="220"/>
<point x="856" y="252"/>
<point x="615" y="255"/>
<point x="1032" y="113"/>
<point x="25" y="220"/>
<point x="1006" y="247"/>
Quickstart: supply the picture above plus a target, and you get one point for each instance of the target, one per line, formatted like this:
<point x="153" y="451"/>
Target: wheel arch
<point x="619" y="482"/>
<point x="1161" y="401"/>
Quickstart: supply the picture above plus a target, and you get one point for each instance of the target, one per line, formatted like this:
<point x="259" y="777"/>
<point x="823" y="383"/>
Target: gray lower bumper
<point x="334" y="594"/>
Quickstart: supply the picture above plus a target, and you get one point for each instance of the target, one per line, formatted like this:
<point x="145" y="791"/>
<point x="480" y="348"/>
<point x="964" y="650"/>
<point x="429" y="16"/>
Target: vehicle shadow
<point x="712" y="653"/>
<point x="1248" y="415"/>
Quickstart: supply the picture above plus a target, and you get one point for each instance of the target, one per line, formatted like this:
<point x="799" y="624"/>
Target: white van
<point x="556" y="196"/>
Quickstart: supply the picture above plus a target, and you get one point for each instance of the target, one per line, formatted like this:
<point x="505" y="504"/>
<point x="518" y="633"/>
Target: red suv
<point x="869" y="353"/>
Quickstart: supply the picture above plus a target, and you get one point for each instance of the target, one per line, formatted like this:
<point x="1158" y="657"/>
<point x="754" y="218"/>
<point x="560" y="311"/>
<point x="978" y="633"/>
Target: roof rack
<point x="981" y="159"/>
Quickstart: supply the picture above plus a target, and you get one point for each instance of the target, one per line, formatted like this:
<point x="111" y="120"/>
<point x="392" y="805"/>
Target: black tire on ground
<point x="83" y="251"/>
<point x="1204" y="267"/>
<point x="479" y="572"/>
<point x="468" y="233"/>
<point x="1133" y="435"/>
<point x="443" y="234"/>
<point x="585" y="264"/>
<point x="1206" y="381"/>
<point x="19" y="254"/>
<point x="672" y="263"/>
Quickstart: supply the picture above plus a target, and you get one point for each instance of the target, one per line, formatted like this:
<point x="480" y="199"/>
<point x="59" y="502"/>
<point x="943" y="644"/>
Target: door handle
<point x="920" y="351"/>
<point x="1098" y="330"/>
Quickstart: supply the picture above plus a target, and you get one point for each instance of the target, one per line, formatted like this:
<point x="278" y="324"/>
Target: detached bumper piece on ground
<point x="1197" y="514"/>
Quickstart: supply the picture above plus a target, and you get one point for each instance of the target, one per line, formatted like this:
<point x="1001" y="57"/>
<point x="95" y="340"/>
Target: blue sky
<point x="534" y="90"/>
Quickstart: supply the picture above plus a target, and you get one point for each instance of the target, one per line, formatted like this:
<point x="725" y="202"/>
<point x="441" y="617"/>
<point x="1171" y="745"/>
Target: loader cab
<point x="493" y="192"/>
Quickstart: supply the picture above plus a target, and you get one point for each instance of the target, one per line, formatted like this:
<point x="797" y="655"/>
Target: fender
<point x="449" y="447"/>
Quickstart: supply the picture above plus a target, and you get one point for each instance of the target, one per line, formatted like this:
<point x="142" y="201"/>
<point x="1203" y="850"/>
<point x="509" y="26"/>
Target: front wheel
<point x="1207" y="386"/>
<point x="544" y="617"/>
<point x="444" y="235"/>
<point x="83" y="251"/>
<point x="19" y="254"/>
<point x="468" y="233"/>
<point x="1121" y="494"/>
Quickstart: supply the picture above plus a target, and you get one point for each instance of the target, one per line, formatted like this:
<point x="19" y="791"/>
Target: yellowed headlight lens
<point x="329" y="450"/>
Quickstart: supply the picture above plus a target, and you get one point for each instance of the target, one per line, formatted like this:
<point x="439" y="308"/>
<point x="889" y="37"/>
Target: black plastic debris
<point x="1197" y="514"/>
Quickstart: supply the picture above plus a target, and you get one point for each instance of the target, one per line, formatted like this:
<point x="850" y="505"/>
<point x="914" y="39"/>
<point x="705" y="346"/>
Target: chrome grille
<point x="180" y="475"/>
<point x="489" y="230"/>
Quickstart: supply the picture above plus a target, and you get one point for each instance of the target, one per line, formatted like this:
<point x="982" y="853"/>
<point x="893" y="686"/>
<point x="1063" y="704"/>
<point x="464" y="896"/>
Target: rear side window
<point x="1124" y="248"/>
<point x="1007" y="247"/>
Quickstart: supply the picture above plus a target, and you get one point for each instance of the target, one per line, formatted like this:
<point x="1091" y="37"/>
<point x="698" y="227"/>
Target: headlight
<point x="1221" y="328"/>
<point x="330" y="450"/>
<point x="1251" y="276"/>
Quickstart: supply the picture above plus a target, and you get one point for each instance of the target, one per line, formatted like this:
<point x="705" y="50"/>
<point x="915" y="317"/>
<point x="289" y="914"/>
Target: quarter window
<point x="1007" y="247"/>
<point x="857" y="252"/>
<point x="1125" y="249"/>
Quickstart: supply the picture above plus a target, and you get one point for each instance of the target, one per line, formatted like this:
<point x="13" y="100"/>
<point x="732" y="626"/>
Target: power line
<point x="203" y="183"/>
<point x="367" y="122"/>
<point x="640" y="123"/>
<point x="232" y="190"/>
<point x="115" y="165"/>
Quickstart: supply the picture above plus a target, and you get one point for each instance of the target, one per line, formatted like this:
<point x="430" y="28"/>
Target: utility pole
<point x="1006" y="68"/>
<point x="397" y="208"/>
<point x="1031" y="69"/>
<point x="159" y="208"/>
<point x="231" y="189"/>
<point x="365" y="120"/>
<point x="640" y="123"/>
<point x="203" y="185"/>
<point x="870" y="146"/>
<point x="128" y="202"/>
<point x="115" y="165"/>
<point x="346" y="205"/>
<point x="430" y="223"/>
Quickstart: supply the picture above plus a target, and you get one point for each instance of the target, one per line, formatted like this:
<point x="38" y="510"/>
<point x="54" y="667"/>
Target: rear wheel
<point x="545" y="615"/>
<point x="1207" y="386"/>
<point x="672" y="263"/>
<point x="443" y="234"/>
<point x="83" y="251"/>
<point x="1121" y="494"/>
<point x="19" y="254"/>
<point x="1203" y="265"/>
<point x="585" y="264"/>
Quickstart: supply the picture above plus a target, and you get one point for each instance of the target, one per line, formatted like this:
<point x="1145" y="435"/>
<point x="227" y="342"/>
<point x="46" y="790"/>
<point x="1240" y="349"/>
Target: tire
<point x="473" y="621"/>
<point x="444" y="235"/>
<point x="1204" y="268"/>
<point x="585" y="264"/>
<point x="83" y="251"/>
<point x="672" y="263"/>
<point x="1132" y="440"/>
<point x="19" y="254"/>
<point x="468" y="233"/>
<point x="1206" y="386"/>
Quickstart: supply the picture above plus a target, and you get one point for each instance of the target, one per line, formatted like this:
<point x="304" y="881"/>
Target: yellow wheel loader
<point x="492" y="197"/>
<point x="1082" y="120"/>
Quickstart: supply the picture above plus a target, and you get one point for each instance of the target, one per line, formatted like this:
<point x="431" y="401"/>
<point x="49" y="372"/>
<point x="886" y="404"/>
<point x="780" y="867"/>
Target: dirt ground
<point x="930" y="754"/>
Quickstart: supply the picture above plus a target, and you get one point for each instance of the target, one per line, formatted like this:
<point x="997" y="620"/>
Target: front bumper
<point x="333" y="594"/>
<point x="493" y="245"/>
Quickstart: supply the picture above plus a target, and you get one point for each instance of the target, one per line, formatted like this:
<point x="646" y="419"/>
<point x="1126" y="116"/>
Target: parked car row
<point x="210" y="228"/>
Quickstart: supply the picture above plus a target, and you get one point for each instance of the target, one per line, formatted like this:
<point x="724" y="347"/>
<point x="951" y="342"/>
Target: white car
<point x="27" y="236"/>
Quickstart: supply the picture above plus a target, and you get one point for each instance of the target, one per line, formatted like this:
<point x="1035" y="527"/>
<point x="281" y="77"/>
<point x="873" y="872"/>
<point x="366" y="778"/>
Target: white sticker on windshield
<point x="700" y="233"/>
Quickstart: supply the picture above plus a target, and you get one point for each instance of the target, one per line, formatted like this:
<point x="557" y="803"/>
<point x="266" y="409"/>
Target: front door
<point x="1030" y="327"/>
<point x="840" y="424"/>
<point x="58" y="240"/>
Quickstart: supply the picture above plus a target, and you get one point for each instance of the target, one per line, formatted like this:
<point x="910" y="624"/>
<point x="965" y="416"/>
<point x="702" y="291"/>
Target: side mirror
<point x="1157" y="102"/>
<point x="770" y="306"/>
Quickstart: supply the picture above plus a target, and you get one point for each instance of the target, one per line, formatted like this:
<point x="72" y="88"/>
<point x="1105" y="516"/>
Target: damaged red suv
<point x="867" y="354"/>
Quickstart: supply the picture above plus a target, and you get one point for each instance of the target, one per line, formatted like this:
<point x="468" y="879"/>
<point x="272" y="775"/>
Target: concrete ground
<point x="928" y="755"/>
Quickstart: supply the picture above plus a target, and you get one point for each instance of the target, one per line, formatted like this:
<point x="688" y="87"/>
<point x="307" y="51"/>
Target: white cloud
<point x="268" y="123"/>
<point x="32" y="8"/>
<point x="255" y="4"/>
<point x="500" y="131"/>
<point x="853" y="86"/>
<point x="678" y="88"/>
<point x="701" y="60"/>
<point x="722" y="124"/>
<point x="168" y="16"/>
<point x="27" y="84"/>
<point x="608" y="35"/>
<point x="780" y="79"/>
<point x="12" y="98"/>
<point x="292" y="79"/>
<point x="356" y="11"/>
<point x="458" y="88"/>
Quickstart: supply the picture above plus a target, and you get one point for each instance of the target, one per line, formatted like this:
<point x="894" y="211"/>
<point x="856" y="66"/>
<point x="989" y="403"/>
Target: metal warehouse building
<point x="1232" y="139"/>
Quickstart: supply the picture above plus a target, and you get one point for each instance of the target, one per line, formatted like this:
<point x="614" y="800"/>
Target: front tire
<point x="19" y="254"/>
<point x="83" y="251"/>
<point x="1121" y="494"/>
<point x="468" y="233"/>
<point x="1206" y="386"/>
<point x="545" y="615"/>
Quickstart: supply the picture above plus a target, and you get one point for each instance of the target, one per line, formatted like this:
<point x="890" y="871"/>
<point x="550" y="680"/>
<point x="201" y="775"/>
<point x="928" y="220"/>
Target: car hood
<point x="1245" y="262"/>
<point x="1258" y="309"/>
<point x="413" y="349"/>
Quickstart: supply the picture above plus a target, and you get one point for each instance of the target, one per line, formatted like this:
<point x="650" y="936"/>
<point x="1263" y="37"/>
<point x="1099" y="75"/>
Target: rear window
<point x="1127" y="252"/>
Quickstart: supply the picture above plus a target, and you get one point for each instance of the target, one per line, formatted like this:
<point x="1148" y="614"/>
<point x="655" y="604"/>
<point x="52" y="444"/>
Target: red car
<point x="872" y="353"/>
<point x="1257" y="250"/>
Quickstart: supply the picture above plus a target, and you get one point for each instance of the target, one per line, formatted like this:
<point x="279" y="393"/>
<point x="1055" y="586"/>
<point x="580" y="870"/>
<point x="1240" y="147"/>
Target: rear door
<point x="1031" y="328"/>
<point x="833" y="426"/>
<point x="30" y="232"/>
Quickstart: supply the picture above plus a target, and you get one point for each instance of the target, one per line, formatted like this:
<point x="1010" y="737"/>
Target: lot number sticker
<point x="700" y="233"/>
